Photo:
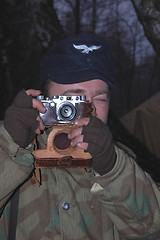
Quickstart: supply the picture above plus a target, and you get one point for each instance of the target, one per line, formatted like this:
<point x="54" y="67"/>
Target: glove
<point x="20" y="119"/>
<point x="100" y="145"/>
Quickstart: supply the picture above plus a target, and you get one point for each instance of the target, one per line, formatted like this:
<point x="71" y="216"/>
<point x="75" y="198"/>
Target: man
<point x="112" y="199"/>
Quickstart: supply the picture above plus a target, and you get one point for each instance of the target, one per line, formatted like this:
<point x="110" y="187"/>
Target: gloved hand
<point x="100" y="145"/>
<point x="21" y="118"/>
<point x="95" y="137"/>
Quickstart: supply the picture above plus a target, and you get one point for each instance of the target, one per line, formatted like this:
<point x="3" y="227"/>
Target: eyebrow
<point x="77" y="90"/>
<point x="82" y="91"/>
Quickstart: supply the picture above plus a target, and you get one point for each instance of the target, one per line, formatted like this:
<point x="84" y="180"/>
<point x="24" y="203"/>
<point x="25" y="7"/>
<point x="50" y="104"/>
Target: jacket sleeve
<point x="130" y="199"/>
<point x="16" y="164"/>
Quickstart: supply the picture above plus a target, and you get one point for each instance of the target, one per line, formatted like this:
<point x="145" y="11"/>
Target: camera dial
<point x="52" y="104"/>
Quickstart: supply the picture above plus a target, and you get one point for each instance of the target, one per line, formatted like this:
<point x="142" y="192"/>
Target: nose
<point x="90" y="99"/>
<point x="93" y="109"/>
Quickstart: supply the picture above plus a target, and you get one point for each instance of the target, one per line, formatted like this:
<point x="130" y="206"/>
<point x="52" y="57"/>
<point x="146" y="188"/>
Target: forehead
<point x="91" y="87"/>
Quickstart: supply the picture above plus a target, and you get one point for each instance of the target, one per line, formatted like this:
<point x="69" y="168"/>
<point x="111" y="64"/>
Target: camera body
<point x="61" y="111"/>
<point x="64" y="109"/>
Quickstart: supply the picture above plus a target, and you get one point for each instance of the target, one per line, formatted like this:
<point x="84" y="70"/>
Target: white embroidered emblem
<point x="84" y="49"/>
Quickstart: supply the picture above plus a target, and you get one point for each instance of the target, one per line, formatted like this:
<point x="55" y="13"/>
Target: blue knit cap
<point x="77" y="59"/>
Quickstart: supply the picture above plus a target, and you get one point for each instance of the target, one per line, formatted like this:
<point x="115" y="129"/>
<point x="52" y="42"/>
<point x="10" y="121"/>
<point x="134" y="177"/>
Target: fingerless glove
<point x="20" y="119"/>
<point x="100" y="145"/>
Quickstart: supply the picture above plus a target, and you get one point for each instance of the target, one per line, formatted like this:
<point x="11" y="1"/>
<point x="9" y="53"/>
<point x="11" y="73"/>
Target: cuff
<point x="16" y="153"/>
<point x="7" y="142"/>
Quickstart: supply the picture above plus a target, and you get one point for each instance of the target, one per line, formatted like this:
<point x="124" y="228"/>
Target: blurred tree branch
<point x="27" y="29"/>
<point x="148" y="13"/>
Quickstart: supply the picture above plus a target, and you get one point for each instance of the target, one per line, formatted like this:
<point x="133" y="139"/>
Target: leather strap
<point x="64" y="162"/>
<point x="13" y="216"/>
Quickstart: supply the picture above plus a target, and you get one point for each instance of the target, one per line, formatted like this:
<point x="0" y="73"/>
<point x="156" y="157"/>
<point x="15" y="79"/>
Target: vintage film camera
<point x="61" y="111"/>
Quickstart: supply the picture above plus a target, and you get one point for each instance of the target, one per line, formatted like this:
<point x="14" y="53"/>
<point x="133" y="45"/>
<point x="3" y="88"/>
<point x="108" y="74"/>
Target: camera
<point x="64" y="109"/>
<point x="61" y="111"/>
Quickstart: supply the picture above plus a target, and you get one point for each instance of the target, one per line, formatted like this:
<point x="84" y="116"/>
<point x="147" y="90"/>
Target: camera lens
<point x="66" y="112"/>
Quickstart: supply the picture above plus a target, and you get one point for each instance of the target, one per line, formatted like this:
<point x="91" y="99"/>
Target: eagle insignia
<point x="85" y="49"/>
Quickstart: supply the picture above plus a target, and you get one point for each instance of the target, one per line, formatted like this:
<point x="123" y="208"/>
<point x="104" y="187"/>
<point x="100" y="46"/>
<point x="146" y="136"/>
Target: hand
<point x="22" y="120"/>
<point x="95" y="137"/>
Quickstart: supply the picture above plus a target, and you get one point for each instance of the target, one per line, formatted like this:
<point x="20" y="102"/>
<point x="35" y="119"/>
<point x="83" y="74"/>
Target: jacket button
<point x="65" y="206"/>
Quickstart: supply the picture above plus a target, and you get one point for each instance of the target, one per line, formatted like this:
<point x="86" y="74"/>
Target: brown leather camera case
<point x="68" y="157"/>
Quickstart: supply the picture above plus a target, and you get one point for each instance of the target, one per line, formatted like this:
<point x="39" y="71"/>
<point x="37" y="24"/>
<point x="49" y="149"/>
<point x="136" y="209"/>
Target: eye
<point x="102" y="98"/>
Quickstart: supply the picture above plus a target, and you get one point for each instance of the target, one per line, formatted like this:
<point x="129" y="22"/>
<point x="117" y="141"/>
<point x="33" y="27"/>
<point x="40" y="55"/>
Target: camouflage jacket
<point x="72" y="204"/>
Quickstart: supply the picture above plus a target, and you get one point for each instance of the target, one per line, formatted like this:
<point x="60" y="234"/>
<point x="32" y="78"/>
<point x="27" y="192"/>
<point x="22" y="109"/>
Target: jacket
<point x="73" y="204"/>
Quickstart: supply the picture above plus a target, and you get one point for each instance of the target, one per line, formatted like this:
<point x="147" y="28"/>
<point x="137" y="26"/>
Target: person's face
<point x="96" y="91"/>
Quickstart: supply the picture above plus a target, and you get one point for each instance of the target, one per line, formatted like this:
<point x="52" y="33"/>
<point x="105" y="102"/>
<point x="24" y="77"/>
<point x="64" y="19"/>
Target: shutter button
<point x="65" y="206"/>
